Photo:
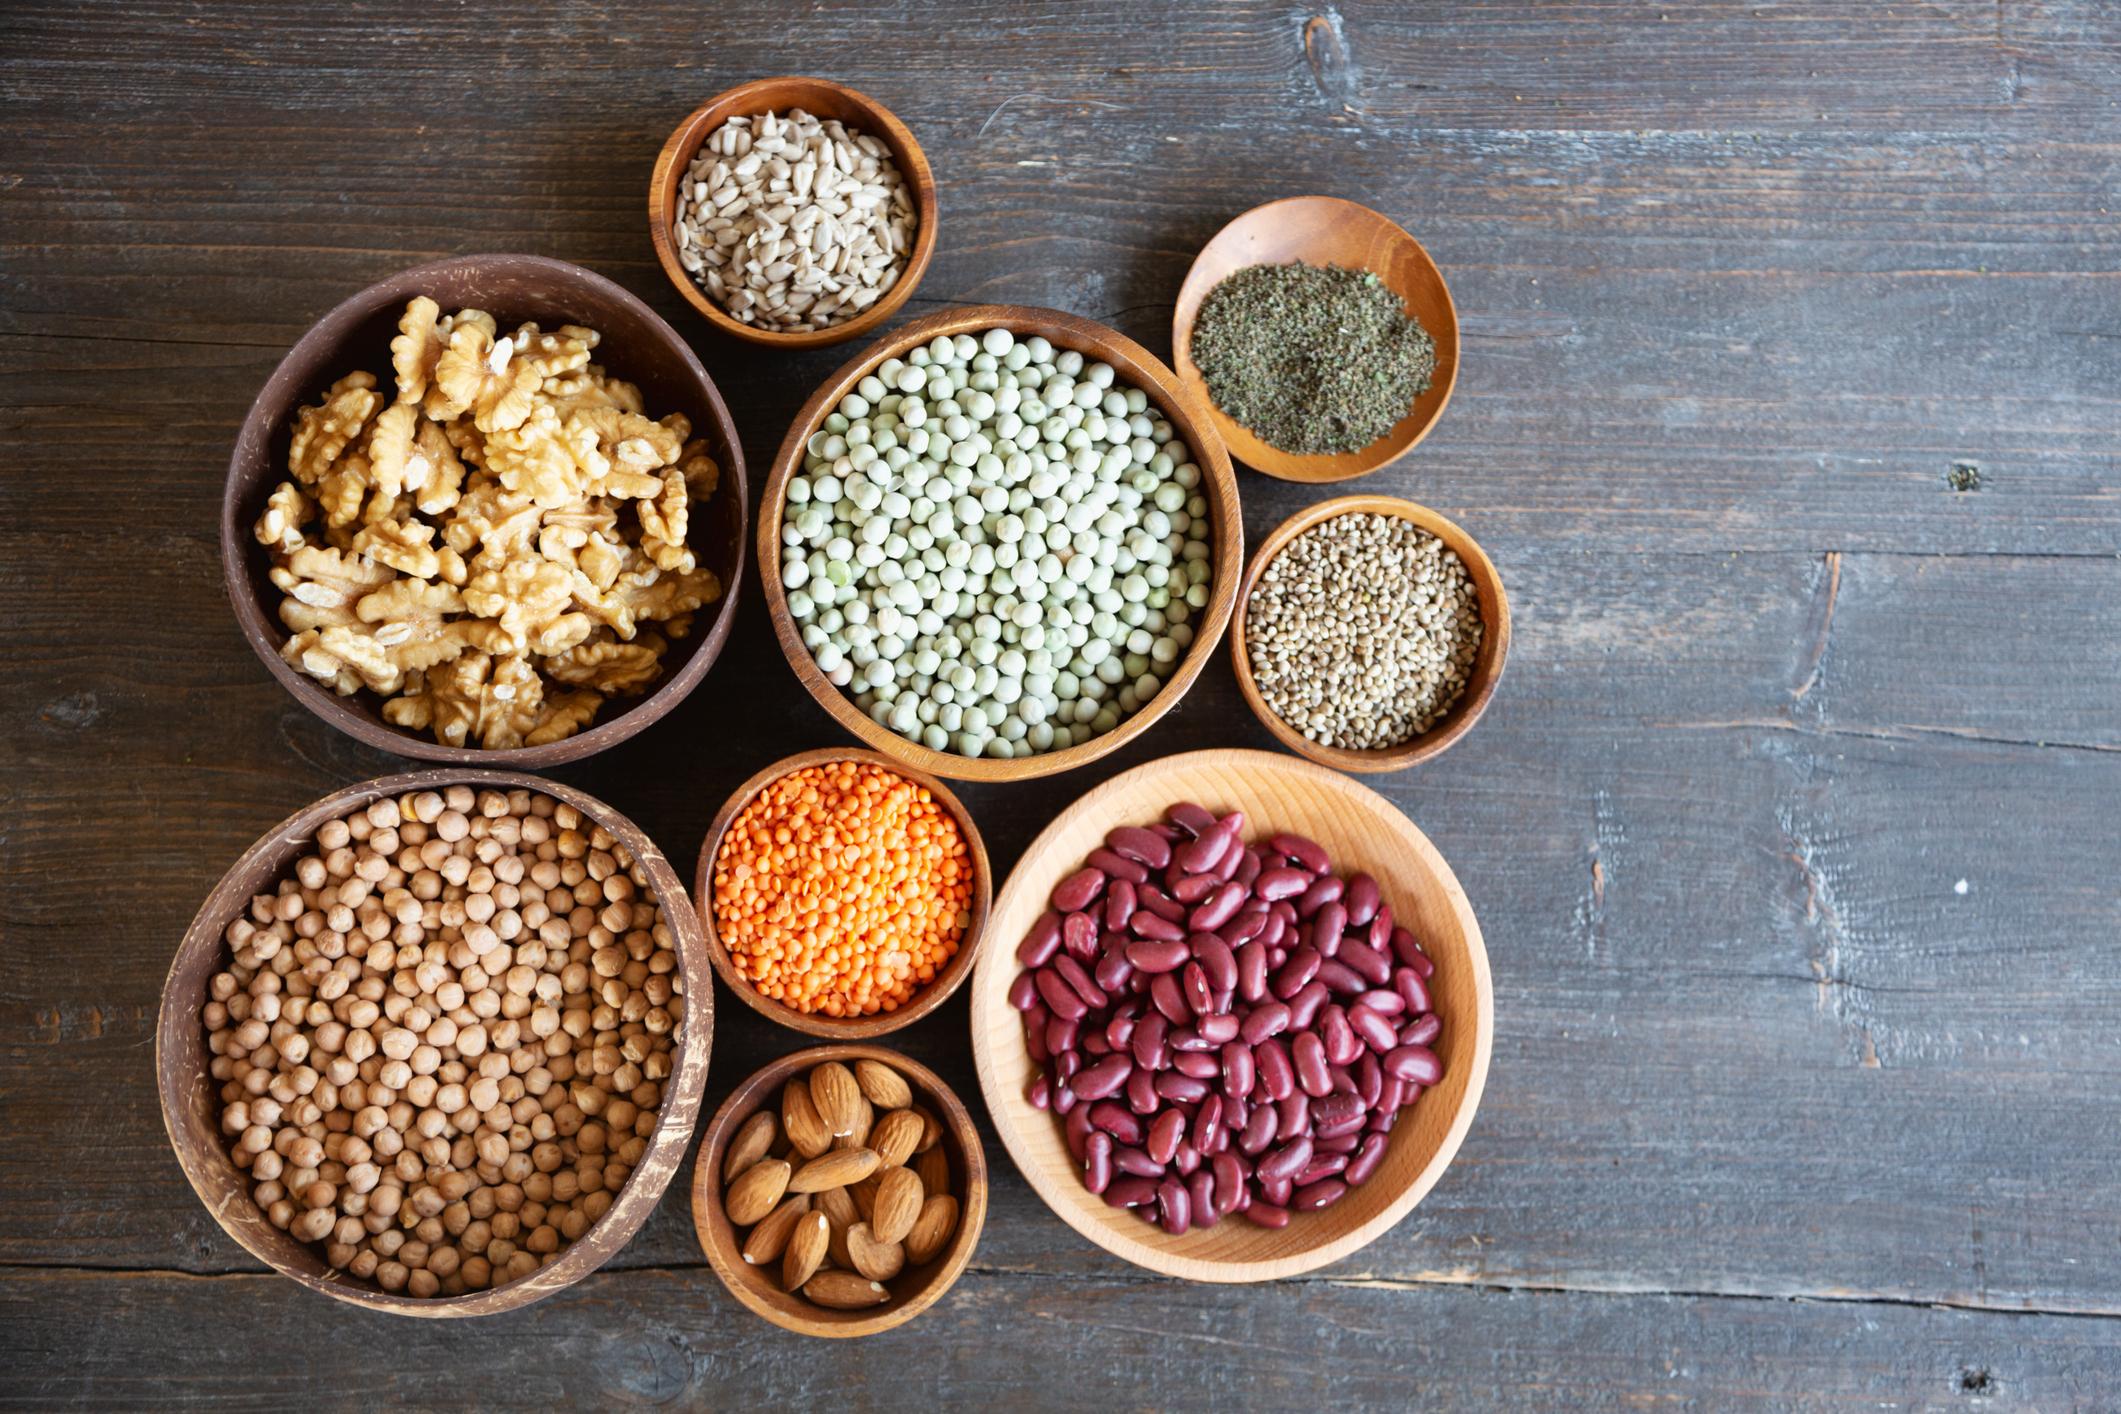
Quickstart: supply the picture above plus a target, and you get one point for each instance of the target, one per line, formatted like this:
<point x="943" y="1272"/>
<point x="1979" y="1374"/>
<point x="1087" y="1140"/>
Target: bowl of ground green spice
<point x="1320" y="335"/>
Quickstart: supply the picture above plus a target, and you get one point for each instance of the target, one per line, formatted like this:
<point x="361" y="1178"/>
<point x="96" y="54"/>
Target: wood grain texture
<point x="1778" y="1115"/>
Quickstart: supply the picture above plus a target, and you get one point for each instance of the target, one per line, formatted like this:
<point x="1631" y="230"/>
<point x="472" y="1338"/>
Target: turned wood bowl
<point x="1323" y="230"/>
<point x="912" y="1291"/>
<point x="637" y="346"/>
<point x="1134" y="365"/>
<point x="1361" y="830"/>
<point x="854" y="1028"/>
<point x="1481" y="681"/>
<point x="823" y="99"/>
<point x="191" y="1106"/>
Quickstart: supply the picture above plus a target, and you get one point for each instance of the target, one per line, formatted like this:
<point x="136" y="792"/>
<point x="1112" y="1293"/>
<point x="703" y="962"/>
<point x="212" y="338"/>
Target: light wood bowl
<point x="833" y="1028"/>
<point x="1481" y="682"/>
<point x="191" y="1108"/>
<point x="821" y="98"/>
<point x="637" y="346"/>
<point x="1323" y="230"/>
<point x="1135" y="365"/>
<point x="1361" y="830"/>
<point x="912" y="1291"/>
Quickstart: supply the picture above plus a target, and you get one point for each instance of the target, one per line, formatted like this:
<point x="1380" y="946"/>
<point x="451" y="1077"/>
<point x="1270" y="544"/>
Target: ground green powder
<point x="1312" y="358"/>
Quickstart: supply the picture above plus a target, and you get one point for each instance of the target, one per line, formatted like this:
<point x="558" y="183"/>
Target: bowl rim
<point x="265" y="635"/>
<point x="208" y="1167"/>
<point x="1063" y="1192"/>
<point x="750" y="99"/>
<point x="717" y="1235"/>
<point x="1218" y="480"/>
<point x="1490" y="661"/>
<point x="1313" y="468"/>
<point x="830" y="1028"/>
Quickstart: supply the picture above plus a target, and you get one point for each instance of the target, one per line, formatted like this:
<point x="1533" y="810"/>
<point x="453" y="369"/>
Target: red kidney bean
<point x="1266" y="1019"/>
<point x="1321" y="1166"/>
<point x="1417" y="1065"/>
<point x="1252" y="971"/>
<point x="1369" y="1079"/>
<point x="1349" y="1128"/>
<point x="1277" y="1077"/>
<point x="1217" y="909"/>
<point x="1309" y="1053"/>
<point x="1114" y="971"/>
<point x="1042" y="941"/>
<point x="1323" y="1194"/>
<point x="1200" y="1190"/>
<point x="1335" y="1110"/>
<point x="1151" y="926"/>
<point x="1177" y="1206"/>
<point x="1421" y="965"/>
<point x="1164" y="991"/>
<point x="1292" y="1115"/>
<point x="1390" y="1096"/>
<point x="1287" y="1161"/>
<point x="1299" y="850"/>
<point x="1128" y="1159"/>
<point x="1218" y="1028"/>
<point x="1366" y="1160"/>
<point x="1404" y="948"/>
<point x="1250" y="922"/>
<point x="1260" y="1130"/>
<point x="1281" y="883"/>
<point x="1201" y="1065"/>
<point x="1066" y="1062"/>
<point x="1189" y="817"/>
<point x="1075" y="892"/>
<point x="1339" y="977"/>
<point x="1218" y="1139"/>
<point x="1277" y="930"/>
<point x="1040" y="1093"/>
<point x="1204" y="851"/>
<point x="1374" y="966"/>
<point x="1142" y="846"/>
<point x="1266" y="1215"/>
<point x="1104" y="1078"/>
<point x="1342" y="1044"/>
<point x="1343" y="1080"/>
<point x="1249" y="864"/>
<point x="1119" y="904"/>
<point x="1207" y="1123"/>
<point x="1079" y="935"/>
<point x="1075" y="1127"/>
<point x="1216" y="961"/>
<point x="1118" y="867"/>
<point x="1192" y="888"/>
<point x="1035" y="1032"/>
<point x="1237" y="1072"/>
<point x="1154" y="900"/>
<point x="1097" y="1162"/>
<point x="1275" y="1191"/>
<point x="1421" y="1032"/>
<point x="1116" y="1120"/>
<point x="1322" y="892"/>
<point x="1023" y="992"/>
<point x="1381" y="928"/>
<point x="1413" y="989"/>
<point x="1187" y="1159"/>
<point x="1362" y="897"/>
<point x="1183" y="1088"/>
<point x="1376" y="1032"/>
<point x="1233" y="860"/>
<point x="1085" y="986"/>
<point x="1094" y="1042"/>
<point x="1328" y="926"/>
<point x="1193" y="983"/>
<point x="1229" y="1175"/>
<point x="1164" y="1133"/>
<point x="1130" y="1191"/>
<point x="1141" y="1093"/>
<point x="1064" y="1099"/>
<point x="1338" y="1143"/>
<point x="1147" y="1042"/>
<point x="1303" y="1007"/>
<point x="1387" y="1004"/>
<point x="1062" y="998"/>
<point x="1301" y="967"/>
<point x="1159" y="954"/>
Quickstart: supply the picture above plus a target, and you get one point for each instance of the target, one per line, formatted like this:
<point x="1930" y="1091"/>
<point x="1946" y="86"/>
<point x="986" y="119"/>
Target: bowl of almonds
<point x="840" y="1191"/>
<point x="488" y="511"/>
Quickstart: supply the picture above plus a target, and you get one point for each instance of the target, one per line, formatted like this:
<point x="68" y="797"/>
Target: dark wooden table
<point x="1793" y="830"/>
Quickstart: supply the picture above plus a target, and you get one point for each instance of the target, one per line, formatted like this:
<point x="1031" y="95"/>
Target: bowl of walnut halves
<point x="491" y="509"/>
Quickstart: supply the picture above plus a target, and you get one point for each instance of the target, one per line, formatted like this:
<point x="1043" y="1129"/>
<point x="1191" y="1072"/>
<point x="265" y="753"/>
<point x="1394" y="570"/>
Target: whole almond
<point x="754" y="1141"/>
<point x="895" y="1137"/>
<point x="836" y="1254"/>
<point x="873" y="1257"/>
<point x="864" y="1122"/>
<point x="934" y="1169"/>
<point x="799" y="1117"/>
<point x="838" y="1205"/>
<point x="835" y="1169"/>
<point x="899" y="1197"/>
<point x="806" y="1250"/>
<point x="837" y="1097"/>
<point x="885" y="1087"/>
<point x="931" y="1130"/>
<point x="932" y="1229"/>
<point x="756" y="1190"/>
<point x="770" y="1236"/>
<point x="864" y="1194"/>
<point x="845" y="1291"/>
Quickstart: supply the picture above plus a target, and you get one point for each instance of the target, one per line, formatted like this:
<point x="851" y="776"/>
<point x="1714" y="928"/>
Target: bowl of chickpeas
<point x="436" y="1044"/>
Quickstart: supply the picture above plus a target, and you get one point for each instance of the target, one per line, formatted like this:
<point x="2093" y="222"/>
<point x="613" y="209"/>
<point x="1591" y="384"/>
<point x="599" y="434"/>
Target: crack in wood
<point x="1821" y="624"/>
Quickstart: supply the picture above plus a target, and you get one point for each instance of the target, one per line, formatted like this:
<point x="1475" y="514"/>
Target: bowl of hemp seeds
<point x="1370" y="633"/>
<point x="1321" y="336"/>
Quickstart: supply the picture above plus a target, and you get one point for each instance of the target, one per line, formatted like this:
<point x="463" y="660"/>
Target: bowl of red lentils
<point x="843" y="895"/>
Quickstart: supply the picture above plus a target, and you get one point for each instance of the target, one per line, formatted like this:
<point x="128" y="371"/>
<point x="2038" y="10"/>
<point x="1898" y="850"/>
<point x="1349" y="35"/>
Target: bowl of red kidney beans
<point x="1236" y="1015"/>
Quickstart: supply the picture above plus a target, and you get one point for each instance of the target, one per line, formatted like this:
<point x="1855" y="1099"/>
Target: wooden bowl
<point x="820" y="98"/>
<point x="1481" y="682"/>
<point x="1361" y="830"/>
<point x="1323" y="230"/>
<point x="637" y="346"/>
<point x="913" y="1290"/>
<point x="1135" y="365"/>
<point x="191" y="1108"/>
<point x="855" y="1028"/>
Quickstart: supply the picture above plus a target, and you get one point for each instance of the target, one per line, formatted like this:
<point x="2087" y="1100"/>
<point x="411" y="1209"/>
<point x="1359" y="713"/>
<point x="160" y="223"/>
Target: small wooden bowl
<point x="191" y="1109"/>
<point x="1135" y="365"/>
<point x="1323" y="230"/>
<point x="637" y="346"/>
<point x="1361" y="830"/>
<point x="1481" y="682"/>
<point x="833" y="1028"/>
<point x="821" y="98"/>
<point x="913" y="1290"/>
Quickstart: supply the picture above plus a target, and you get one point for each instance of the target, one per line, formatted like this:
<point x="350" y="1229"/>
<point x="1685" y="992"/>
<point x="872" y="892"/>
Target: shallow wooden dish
<point x="1135" y="365"/>
<point x="637" y="346"/>
<point x="1361" y="829"/>
<point x="1323" y="230"/>
<point x="913" y="1290"/>
<point x="822" y="99"/>
<point x="191" y="1110"/>
<point x="1481" y="682"/>
<point x="833" y="1028"/>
